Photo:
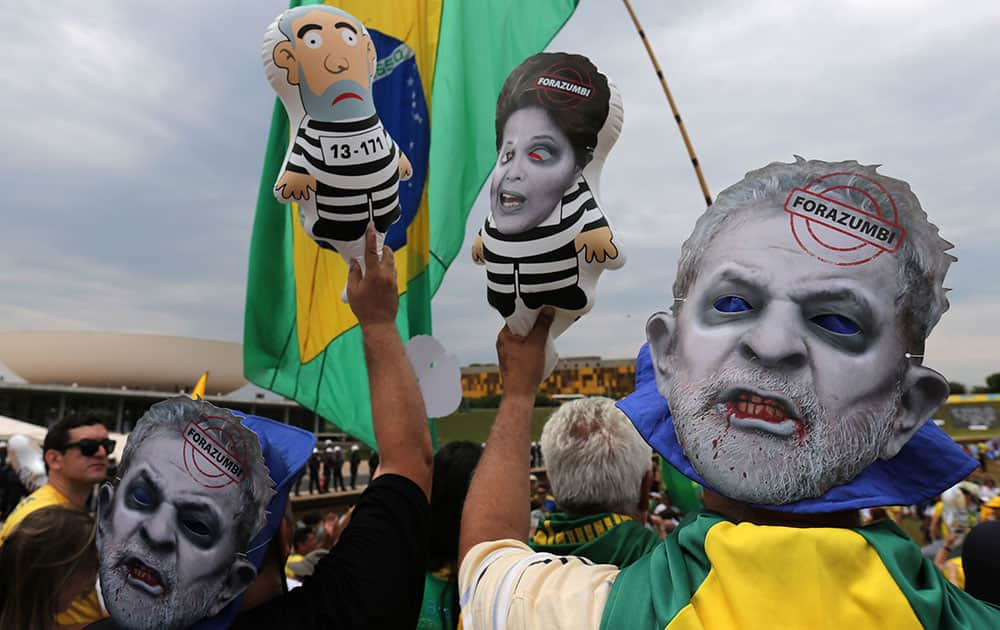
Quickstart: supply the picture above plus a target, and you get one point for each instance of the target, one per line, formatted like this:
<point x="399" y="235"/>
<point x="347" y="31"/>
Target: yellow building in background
<point x="583" y="376"/>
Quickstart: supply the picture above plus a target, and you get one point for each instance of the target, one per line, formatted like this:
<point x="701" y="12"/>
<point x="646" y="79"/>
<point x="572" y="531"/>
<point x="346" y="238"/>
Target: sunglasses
<point x="89" y="446"/>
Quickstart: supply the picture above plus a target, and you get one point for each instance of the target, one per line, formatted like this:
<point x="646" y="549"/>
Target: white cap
<point x="354" y="447"/>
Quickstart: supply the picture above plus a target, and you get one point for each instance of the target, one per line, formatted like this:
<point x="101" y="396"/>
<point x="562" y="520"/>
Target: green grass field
<point x="475" y="424"/>
<point x="964" y="435"/>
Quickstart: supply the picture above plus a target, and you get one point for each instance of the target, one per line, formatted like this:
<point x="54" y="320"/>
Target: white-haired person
<point x="792" y="359"/>
<point x="597" y="464"/>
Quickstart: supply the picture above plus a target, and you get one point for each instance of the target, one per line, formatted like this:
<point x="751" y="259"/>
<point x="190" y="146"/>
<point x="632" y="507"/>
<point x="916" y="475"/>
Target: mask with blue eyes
<point x="193" y="484"/>
<point x="787" y="360"/>
<point x="830" y="322"/>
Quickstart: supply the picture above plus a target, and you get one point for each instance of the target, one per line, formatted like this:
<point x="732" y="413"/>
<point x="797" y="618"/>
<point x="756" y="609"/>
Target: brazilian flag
<point x="441" y="64"/>
<point x="714" y="573"/>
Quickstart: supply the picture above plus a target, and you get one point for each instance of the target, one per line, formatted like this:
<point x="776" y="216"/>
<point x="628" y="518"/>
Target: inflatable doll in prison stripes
<point x="546" y="240"/>
<point x="342" y="166"/>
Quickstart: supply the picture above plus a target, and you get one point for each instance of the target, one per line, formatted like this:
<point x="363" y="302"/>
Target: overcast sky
<point x="135" y="133"/>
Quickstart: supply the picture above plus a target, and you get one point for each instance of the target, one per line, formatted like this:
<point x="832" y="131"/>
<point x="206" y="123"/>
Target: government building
<point x="117" y="377"/>
<point x="572" y="377"/>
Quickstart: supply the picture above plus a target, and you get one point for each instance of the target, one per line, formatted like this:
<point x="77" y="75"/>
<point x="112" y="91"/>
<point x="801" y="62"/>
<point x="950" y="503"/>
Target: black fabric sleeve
<point x="372" y="578"/>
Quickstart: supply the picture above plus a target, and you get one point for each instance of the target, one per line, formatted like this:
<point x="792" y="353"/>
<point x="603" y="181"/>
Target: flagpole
<point x="673" y="106"/>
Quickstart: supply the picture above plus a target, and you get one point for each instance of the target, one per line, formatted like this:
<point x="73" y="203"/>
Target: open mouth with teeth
<point x="750" y="410"/>
<point x="145" y="578"/>
<point x="511" y="200"/>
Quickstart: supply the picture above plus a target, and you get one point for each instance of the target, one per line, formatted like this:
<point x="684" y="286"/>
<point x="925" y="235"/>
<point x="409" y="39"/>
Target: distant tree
<point x="957" y="388"/>
<point x="993" y="383"/>
<point x="979" y="389"/>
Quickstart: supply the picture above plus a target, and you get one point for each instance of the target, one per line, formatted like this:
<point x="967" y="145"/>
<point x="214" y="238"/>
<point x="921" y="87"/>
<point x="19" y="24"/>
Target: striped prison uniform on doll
<point x="540" y="265"/>
<point x="356" y="166"/>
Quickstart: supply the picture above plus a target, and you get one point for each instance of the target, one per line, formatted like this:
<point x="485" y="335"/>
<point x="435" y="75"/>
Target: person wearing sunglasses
<point x="76" y="451"/>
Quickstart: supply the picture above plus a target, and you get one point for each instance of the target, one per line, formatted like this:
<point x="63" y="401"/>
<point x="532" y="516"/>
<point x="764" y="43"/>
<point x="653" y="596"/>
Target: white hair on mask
<point x="922" y="259"/>
<point x="594" y="457"/>
<point x="171" y="416"/>
<point x="277" y="77"/>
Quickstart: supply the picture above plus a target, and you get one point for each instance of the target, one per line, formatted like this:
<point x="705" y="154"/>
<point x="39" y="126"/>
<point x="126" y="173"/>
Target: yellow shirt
<point x="87" y="607"/>
<point x="295" y="557"/>
<point x="938" y="512"/>
<point x="955" y="572"/>
<point x="43" y="497"/>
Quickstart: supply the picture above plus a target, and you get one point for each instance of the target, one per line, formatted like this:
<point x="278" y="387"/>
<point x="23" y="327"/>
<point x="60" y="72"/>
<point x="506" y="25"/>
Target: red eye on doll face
<point x="535" y="166"/>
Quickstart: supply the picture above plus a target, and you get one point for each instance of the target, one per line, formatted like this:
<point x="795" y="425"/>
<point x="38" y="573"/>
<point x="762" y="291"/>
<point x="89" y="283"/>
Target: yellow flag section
<point x="299" y="339"/>
<point x="799" y="576"/>
<point x="199" y="387"/>
<point x="320" y="274"/>
<point x="711" y="573"/>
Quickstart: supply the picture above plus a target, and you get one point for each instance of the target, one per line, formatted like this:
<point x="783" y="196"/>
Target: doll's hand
<point x="295" y="185"/>
<point x="405" y="168"/>
<point x="477" y="251"/>
<point x="596" y="244"/>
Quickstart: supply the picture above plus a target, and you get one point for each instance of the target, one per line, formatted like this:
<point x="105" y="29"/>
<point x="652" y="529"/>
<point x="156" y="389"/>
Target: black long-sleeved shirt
<point x="372" y="578"/>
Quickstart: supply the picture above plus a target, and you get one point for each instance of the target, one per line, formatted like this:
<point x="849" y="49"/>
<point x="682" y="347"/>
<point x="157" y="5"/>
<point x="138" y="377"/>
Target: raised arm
<point x="496" y="506"/>
<point x="398" y="414"/>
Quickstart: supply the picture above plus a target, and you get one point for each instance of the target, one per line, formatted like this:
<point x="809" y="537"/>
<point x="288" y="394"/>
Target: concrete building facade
<point x="572" y="376"/>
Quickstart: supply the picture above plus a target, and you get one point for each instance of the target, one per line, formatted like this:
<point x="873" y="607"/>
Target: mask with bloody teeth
<point x="792" y="355"/>
<point x="144" y="576"/>
<point x="763" y="411"/>
<point x="769" y="448"/>
<point x="174" y="528"/>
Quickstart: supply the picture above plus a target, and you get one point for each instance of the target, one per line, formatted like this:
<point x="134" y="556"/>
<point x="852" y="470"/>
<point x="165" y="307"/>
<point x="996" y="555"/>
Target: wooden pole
<point x="673" y="106"/>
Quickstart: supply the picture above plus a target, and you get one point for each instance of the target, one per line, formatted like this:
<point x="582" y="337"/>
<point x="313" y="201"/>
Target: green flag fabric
<point x="605" y="538"/>
<point x="684" y="493"/>
<point x="714" y="573"/>
<point x="441" y="64"/>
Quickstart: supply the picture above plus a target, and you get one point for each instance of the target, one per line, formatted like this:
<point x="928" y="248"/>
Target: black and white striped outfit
<point x="351" y="189"/>
<point x="541" y="265"/>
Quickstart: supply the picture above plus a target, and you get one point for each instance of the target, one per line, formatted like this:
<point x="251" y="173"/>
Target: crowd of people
<point x="12" y="489"/>
<point x="985" y="451"/>
<point x="326" y="469"/>
<point x="76" y="452"/>
<point x="196" y="529"/>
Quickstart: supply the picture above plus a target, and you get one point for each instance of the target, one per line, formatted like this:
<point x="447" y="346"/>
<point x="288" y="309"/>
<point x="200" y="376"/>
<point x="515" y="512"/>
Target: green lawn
<point x="968" y="434"/>
<point x="475" y="424"/>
